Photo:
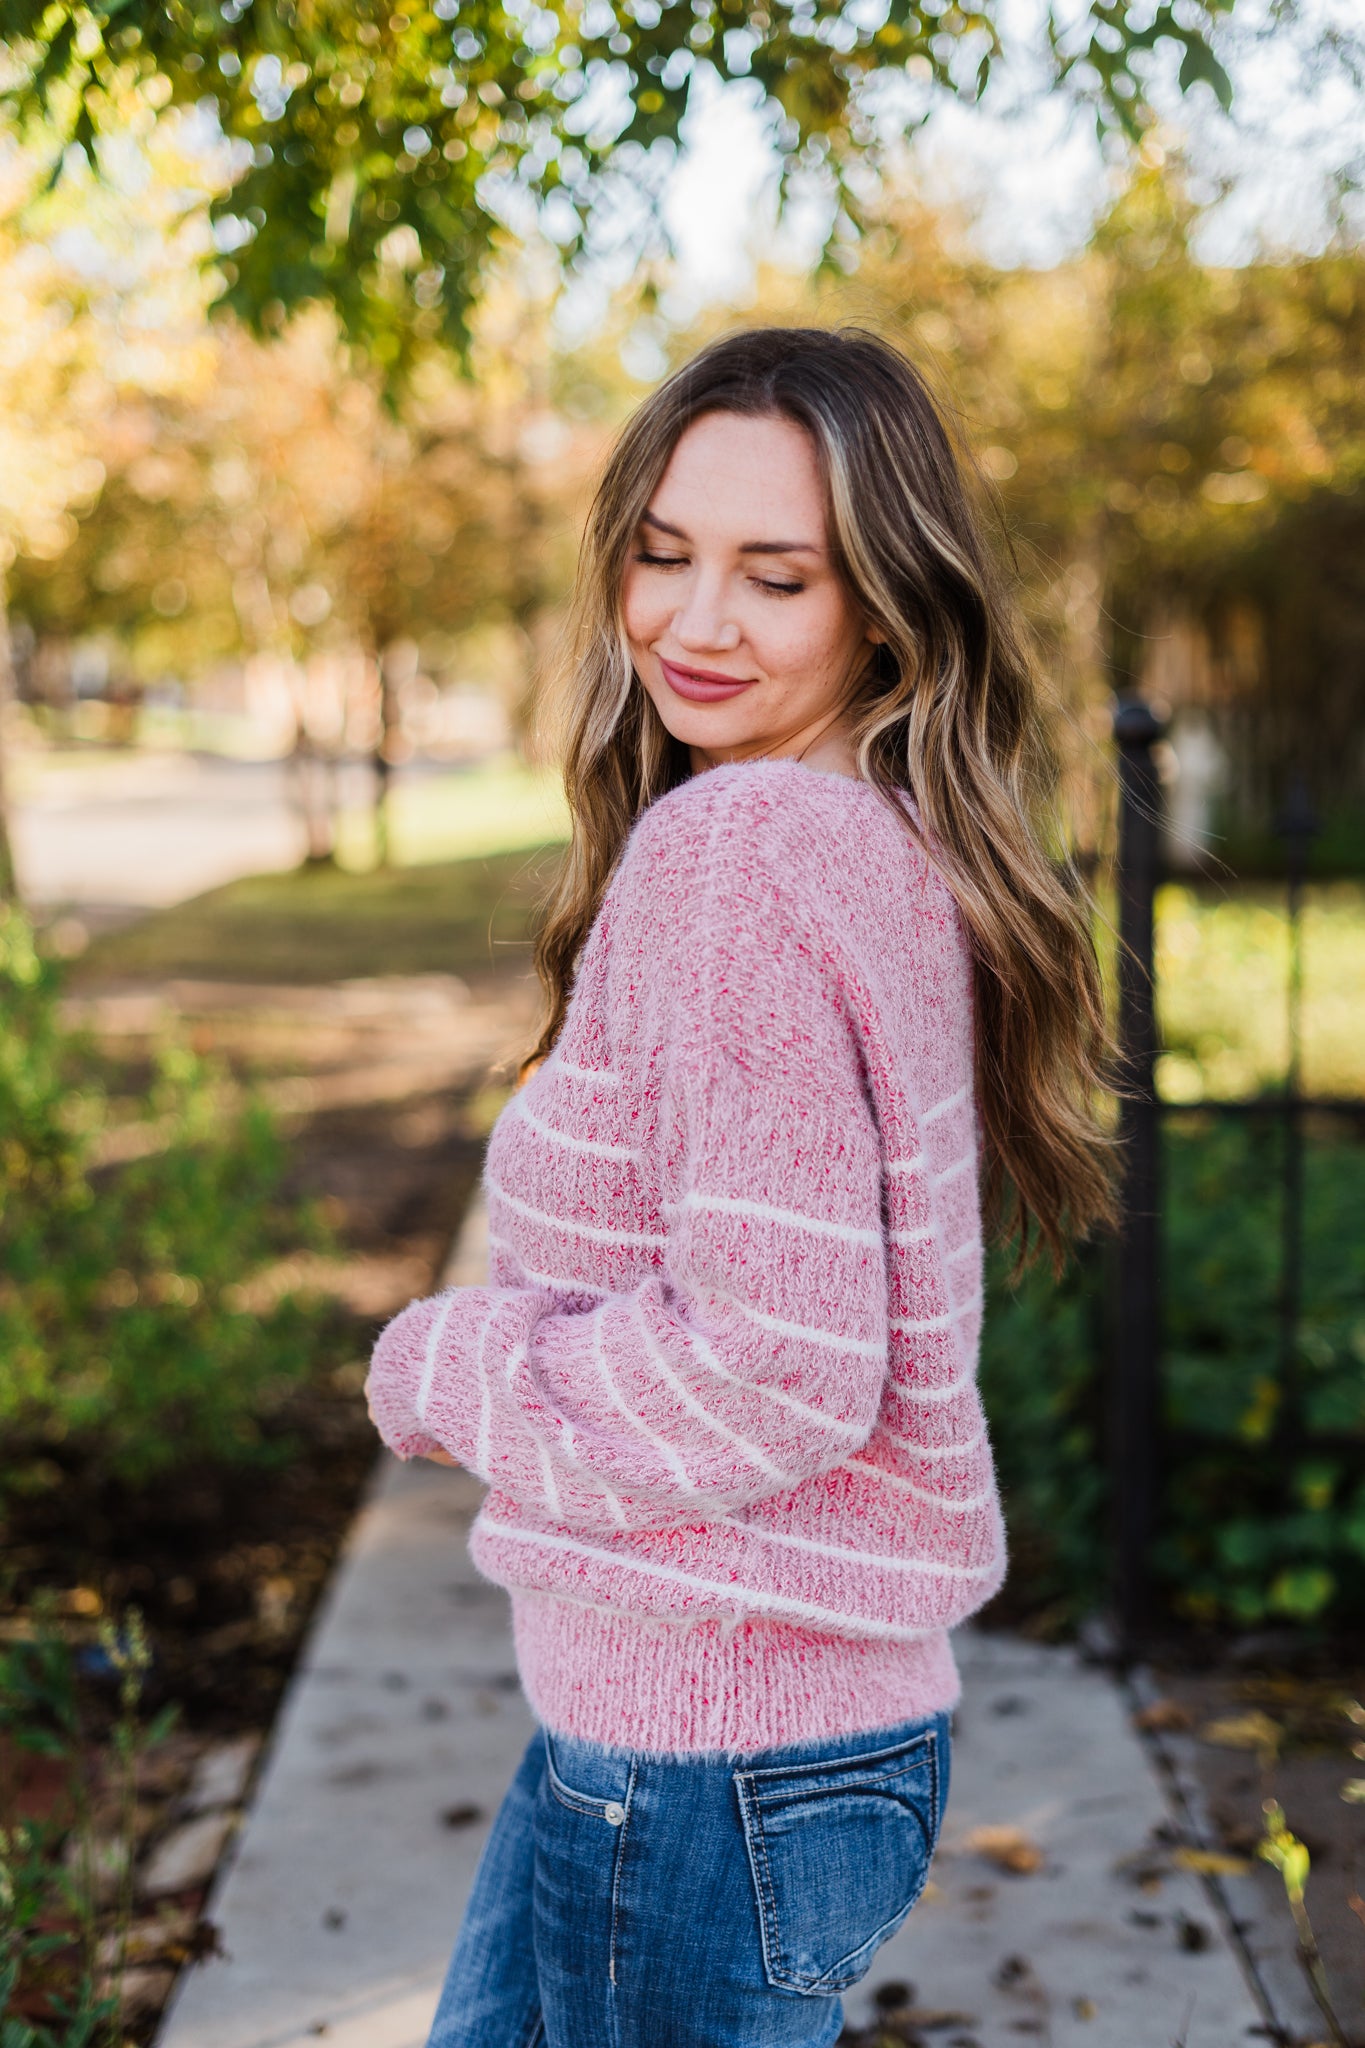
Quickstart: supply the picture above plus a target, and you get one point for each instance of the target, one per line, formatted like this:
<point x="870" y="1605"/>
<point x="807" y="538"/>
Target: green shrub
<point x="121" y="1342"/>
<point x="1257" y="1528"/>
<point x="1040" y="1386"/>
<point x="1250" y="1529"/>
<point x="63" y="1947"/>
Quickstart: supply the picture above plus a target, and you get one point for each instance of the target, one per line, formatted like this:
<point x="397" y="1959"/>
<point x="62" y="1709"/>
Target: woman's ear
<point x="875" y="635"/>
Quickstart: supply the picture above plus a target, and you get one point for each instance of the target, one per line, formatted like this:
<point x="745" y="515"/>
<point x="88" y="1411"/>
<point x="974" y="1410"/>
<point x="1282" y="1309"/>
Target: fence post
<point x="1135" y="1393"/>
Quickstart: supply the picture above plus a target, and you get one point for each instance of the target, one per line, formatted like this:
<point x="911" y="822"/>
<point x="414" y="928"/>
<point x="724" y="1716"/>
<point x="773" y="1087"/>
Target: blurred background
<point x="313" y="334"/>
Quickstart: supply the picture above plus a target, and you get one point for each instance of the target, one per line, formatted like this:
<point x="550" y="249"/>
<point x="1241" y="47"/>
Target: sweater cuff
<point x="395" y="1377"/>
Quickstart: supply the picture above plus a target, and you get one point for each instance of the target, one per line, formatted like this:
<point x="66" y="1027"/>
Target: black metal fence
<point x="1140" y="1442"/>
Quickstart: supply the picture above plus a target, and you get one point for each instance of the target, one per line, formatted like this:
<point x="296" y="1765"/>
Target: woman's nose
<point x="700" y="624"/>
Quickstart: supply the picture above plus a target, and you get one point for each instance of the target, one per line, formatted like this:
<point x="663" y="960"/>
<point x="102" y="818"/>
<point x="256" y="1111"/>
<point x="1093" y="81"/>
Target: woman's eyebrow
<point x="748" y="547"/>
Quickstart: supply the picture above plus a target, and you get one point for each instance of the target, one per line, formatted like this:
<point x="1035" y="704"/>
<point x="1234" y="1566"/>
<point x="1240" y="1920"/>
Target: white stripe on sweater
<point x="965" y="1505"/>
<point x="748" y="1596"/>
<point x="561" y="1283"/>
<point x="931" y="1453"/>
<point x="568" y="1444"/>
<point x="918" y="1396"/>
<point x="618" y="1513"/>
<point x="660" y="1444"/>
<point x="594" y="1147"/>
<point x="585" y="1073"/>
<point x="434" y="1336"/>
<point x="741" y="1443"/>
<point x="485" y="1391"/>
<point x="557" y="1283"/>
<point x="552" y="1500"/>
<point x="519" y="1355"/>
<point x="591" y="1230"/>
<point x="893" y="1564"/>
<point x="805" y="1409"/>
<point x="733" y="1205"/>
<point x="856" y="1345"/>
<point x="951" y="1172"/>
<point x="943" y="1322"/>
<point x="941" y="1108"/>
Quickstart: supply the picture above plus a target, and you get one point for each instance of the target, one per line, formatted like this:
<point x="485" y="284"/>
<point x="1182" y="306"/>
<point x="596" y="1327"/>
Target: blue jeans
<point x="624" y="1901"/>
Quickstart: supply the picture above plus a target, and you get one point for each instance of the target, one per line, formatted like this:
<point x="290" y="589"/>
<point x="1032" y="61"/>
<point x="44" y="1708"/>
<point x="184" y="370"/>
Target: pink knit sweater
<point x="722" y="1382"/>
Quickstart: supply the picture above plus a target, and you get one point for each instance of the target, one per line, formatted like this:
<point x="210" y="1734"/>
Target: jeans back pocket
<point x="840" y="1851"/>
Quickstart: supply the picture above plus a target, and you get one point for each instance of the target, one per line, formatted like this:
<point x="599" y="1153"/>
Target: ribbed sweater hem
<point x="632" y="1682"/>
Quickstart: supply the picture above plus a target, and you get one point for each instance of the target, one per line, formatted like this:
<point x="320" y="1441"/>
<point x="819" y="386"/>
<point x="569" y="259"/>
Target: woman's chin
<point x="719" y="731"/>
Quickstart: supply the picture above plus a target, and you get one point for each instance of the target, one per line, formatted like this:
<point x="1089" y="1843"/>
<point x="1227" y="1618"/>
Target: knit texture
<point x="722" y="1384"/>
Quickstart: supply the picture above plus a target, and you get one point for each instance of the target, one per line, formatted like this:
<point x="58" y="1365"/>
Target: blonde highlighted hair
<point x="948" y="711"/>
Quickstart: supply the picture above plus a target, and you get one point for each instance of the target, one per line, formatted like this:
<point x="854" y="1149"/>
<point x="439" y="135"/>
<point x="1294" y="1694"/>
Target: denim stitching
<point x="898" y="1919"/>
<point x="616" y="1873"/>
<point x="756" y="1843"/>
<point x="927" y="1736"/>
<point x="577" y="1802"/>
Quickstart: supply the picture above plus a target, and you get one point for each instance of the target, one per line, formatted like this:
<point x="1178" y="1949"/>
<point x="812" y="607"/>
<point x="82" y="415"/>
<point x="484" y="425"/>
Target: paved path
<point x="404" y="1723"/>
<point x="110" y="836"/>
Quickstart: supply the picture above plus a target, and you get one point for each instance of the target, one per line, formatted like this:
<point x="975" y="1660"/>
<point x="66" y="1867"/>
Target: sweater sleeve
<point x="752" y="1356"/>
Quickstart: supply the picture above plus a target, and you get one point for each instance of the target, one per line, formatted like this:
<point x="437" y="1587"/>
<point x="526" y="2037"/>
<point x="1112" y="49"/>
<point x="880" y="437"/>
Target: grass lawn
<point x="496" y="806"/>
<point x="1222" y="967"/>
<point x="329" y="924"/>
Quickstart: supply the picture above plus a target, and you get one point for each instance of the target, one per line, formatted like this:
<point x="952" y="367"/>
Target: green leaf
<point x="1303" y="1592"/>
<point x="1199" y="66"/>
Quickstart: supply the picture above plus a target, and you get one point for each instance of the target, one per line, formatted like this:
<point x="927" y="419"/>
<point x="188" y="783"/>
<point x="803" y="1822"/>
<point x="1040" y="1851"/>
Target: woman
<point x="816" y="991"/>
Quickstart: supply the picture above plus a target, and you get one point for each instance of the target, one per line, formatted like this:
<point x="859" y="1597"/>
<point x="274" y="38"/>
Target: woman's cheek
<point x="795" y="653"/>
<point x="645" y="606"/>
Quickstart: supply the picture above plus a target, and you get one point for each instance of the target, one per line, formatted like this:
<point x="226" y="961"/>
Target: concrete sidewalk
<point x="1056" y="1912"/>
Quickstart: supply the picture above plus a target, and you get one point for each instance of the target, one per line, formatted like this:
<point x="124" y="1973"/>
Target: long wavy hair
<point x="948" y="712"/>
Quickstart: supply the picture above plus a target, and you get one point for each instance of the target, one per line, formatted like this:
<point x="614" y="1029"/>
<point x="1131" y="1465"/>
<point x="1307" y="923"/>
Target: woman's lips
<point x="703" y="686"/>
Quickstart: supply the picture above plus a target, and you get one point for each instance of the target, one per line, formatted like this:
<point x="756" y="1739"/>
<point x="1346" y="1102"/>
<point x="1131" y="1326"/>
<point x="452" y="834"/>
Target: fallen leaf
<point x="897" y="2001"/>
<point x="1008" y="1848"/>
<point x="1146" y="1867"/>
<point x="1163" y="1714"/>
<point x="461" y="1816"/>
<point x="1353" y="1792"/>
<point x="205" y="1942"/>
<point x="1252" y="1730"/>
<point x="1357" y="1906"/>
<point x="1211" y="1862"/>
<point x="1084" y="2008"/>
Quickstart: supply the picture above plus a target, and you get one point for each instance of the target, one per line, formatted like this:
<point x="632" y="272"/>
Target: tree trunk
<point x="391" y="662"/>
<point x="312" y="774"/>
<point x="9" y="885"/>
<point x="380" y="767"/>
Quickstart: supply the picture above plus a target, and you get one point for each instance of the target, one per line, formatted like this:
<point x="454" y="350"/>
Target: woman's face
<point x="739" y="628"/>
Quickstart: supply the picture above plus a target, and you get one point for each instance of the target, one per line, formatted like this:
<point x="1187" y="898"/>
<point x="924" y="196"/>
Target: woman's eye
<point x="650" y="560"/>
